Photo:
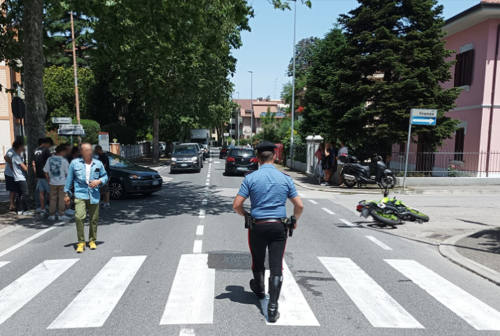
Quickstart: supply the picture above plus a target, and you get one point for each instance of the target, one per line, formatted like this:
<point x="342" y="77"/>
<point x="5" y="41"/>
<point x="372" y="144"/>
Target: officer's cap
<point x="265" y="146"/>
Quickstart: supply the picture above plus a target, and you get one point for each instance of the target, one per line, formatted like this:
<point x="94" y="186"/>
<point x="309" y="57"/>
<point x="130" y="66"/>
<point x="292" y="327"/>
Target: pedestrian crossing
<point x="191" y="298"/>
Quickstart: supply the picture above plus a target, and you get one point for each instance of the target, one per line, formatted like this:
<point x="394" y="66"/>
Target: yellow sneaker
<point x="80" y="247"/>
<point x="92" y="245"/>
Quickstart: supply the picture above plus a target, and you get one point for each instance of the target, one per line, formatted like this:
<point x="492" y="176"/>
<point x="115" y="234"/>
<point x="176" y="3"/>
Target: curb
<point x="448" y="250"/>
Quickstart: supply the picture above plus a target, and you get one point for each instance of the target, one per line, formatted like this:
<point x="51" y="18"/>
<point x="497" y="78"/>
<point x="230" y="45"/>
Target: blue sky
<point x="267" y="49"/>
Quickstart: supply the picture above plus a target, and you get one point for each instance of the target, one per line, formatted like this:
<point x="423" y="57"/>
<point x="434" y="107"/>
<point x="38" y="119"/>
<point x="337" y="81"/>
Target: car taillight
<point x="230" y="159"/>
<point x="254" y="160"/>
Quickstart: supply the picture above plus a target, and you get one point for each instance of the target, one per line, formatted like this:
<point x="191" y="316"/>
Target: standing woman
<point x="327" y="164"/>
<point x="319" y="154"/>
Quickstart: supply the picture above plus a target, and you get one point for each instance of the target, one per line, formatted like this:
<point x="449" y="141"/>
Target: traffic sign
<point x="425" y="117"/>
<point x="61" y="120"/>
<point x="71" y="129"/>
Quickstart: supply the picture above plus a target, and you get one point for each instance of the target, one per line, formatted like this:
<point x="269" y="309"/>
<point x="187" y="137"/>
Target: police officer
<point x="268" y="189"/>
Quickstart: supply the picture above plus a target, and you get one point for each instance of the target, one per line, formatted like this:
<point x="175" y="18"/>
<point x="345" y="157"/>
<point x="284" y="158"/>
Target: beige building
<point x="260" y="107"/>
<point x="9" y="126"/>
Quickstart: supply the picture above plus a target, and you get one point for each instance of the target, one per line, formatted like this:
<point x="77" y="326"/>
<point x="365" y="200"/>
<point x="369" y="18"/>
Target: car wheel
<point x="116" y="190"/>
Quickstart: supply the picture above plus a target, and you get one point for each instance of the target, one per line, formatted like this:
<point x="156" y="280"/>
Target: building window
<point x="464" y="68"/>
<point x="459" y="144"/>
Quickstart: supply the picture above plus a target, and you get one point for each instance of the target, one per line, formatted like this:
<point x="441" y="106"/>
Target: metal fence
<point x="132" y="151"/>
<point x="472" y="164"/>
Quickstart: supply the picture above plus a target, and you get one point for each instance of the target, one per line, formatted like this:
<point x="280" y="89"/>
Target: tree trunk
<point x="156" y="132"/>
<point x="33" y="62"/>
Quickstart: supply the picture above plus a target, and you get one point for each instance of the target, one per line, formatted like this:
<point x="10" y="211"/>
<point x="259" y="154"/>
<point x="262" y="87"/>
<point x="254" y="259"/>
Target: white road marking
<point x="313" y="202"/>
<point x="379" y="243"/>
<point x="191" y="298"/>
<point x="207" y="183"/>
<point x="187" y="332"/>
<point x="293" y="307"/>
<point x="3" y="263"/>
<point x="26" y="287"/>
<point x="346" y="222"/>
<point x="328" y="211"/>
<point x="202" y="213"/>
<point x="475" y="312"/>
<point x="380" y="309"/>
<point x="93" y="305"/>
<point x="25" y="241"/>
<point x="216" y="162"/>
<point x="204" y="201"/>
<point x="199" y="230"/>
<point x="197" y="246"/>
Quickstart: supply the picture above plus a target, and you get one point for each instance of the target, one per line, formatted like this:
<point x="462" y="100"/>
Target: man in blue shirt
<point x="268" y="189"/>
<point x="86" y="175"/>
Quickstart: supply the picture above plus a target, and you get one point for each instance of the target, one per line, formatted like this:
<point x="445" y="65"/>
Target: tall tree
<point x="394" y="60"/>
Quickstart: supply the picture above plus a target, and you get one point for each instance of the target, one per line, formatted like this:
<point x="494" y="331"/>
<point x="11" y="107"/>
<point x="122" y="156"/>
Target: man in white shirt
<point x="19" y="169"/>
<point x="10" y="184"/>
<point x="56" y="172"/>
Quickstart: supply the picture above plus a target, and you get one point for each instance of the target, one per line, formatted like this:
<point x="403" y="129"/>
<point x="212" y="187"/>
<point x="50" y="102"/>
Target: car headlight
<point x="194" y="158"/>
<point x="174" y="159"/>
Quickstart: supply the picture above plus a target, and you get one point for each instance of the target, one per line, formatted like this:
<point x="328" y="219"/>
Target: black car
<point x="129" y="178"/>
<point x="186" y="156"/>
<point x="241" y="161"/>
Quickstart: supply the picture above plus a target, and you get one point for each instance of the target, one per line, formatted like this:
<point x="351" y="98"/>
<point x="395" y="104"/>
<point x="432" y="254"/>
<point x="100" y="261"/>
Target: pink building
<point x="474" y="35"/>
<point x="261" y="107"/>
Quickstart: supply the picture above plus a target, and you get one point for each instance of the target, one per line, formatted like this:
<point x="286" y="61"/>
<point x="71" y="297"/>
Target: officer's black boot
<point x="257" y="284"/>
<point x="274" y="293"/>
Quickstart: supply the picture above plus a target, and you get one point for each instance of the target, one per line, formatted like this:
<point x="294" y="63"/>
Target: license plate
<point x="156" y="182"/>
<point x="365" y="212"/>
<point x="242" y="168"/>
<point x="184" y="165"/>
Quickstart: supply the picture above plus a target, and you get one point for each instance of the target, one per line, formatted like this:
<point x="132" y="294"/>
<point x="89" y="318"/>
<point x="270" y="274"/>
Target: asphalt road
<point x="177" y="263"/>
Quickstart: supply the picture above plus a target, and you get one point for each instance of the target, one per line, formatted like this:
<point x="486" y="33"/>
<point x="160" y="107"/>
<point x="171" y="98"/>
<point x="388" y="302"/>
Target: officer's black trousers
<point x="263" y="236"/>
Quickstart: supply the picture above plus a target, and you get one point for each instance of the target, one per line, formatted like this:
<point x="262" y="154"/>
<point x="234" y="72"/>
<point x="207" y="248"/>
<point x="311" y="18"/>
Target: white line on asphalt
<point x="475" y="312"/>
<point x="207" y="184"/>
<point x="379" y="243"/>
<point x="100" y="296"/>
<point x="26" y="241"/>
<point x="313" y="202"/>
<point x="8" y="229"/>
<point x="328" y="211"/>
<point x="216" y="162"/>
<point x="197" y="246"/>
<point x="294" y="309"/>
<point x="191" y="298"/>
<point x="204" y="201"/>
<point x="346" y="222"/>
<point x="202" y="213"/>
<point x="380" y="309"/>
<point x="187" y="332"/>
<point x="3" y="263"/>
<point x="199" y="230"/>
<point x="26" y="287"/>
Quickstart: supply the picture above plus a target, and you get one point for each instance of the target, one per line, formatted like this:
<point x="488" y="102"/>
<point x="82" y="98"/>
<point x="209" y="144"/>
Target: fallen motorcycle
<point x="390" y="211"/>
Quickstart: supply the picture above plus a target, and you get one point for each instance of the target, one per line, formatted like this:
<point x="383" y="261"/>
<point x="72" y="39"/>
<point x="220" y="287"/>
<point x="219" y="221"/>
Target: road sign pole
<point x="407" y="153"/>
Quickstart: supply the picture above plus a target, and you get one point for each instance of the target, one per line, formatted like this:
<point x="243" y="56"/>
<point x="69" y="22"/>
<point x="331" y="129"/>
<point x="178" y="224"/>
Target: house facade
<point x="261" y="108"/>
<point x="474" y="150"/>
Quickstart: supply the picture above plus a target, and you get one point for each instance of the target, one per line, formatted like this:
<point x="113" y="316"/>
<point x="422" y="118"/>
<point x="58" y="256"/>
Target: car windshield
<point x="119" y="162"/>
<point x="184" y="150"/>
<point x="241" y="152"/>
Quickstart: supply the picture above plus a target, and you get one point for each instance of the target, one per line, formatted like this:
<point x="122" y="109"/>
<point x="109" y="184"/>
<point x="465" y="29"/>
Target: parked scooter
<point x="353" y="172"/>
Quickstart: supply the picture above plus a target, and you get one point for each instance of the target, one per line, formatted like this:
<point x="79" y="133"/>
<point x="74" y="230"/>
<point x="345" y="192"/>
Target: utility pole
<point x="238" y="121"/>
<point x="293" y="81"/>
<point x="251" y="102"/>
<point x="75" y="71"/>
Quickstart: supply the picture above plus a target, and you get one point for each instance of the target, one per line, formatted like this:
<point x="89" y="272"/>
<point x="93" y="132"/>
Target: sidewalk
<point x="463" y="221"/>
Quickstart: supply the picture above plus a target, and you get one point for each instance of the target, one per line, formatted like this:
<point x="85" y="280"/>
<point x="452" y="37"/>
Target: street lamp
<point x="251" y="102"/>
<point x="293" y="80"/>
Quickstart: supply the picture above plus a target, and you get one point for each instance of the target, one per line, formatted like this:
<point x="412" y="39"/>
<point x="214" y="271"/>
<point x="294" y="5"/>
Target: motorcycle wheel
<point x="417" y="215"/>
<point x="388" y="181"/>
<point x="385" y="218"/>
<point x="348" y="184"/>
